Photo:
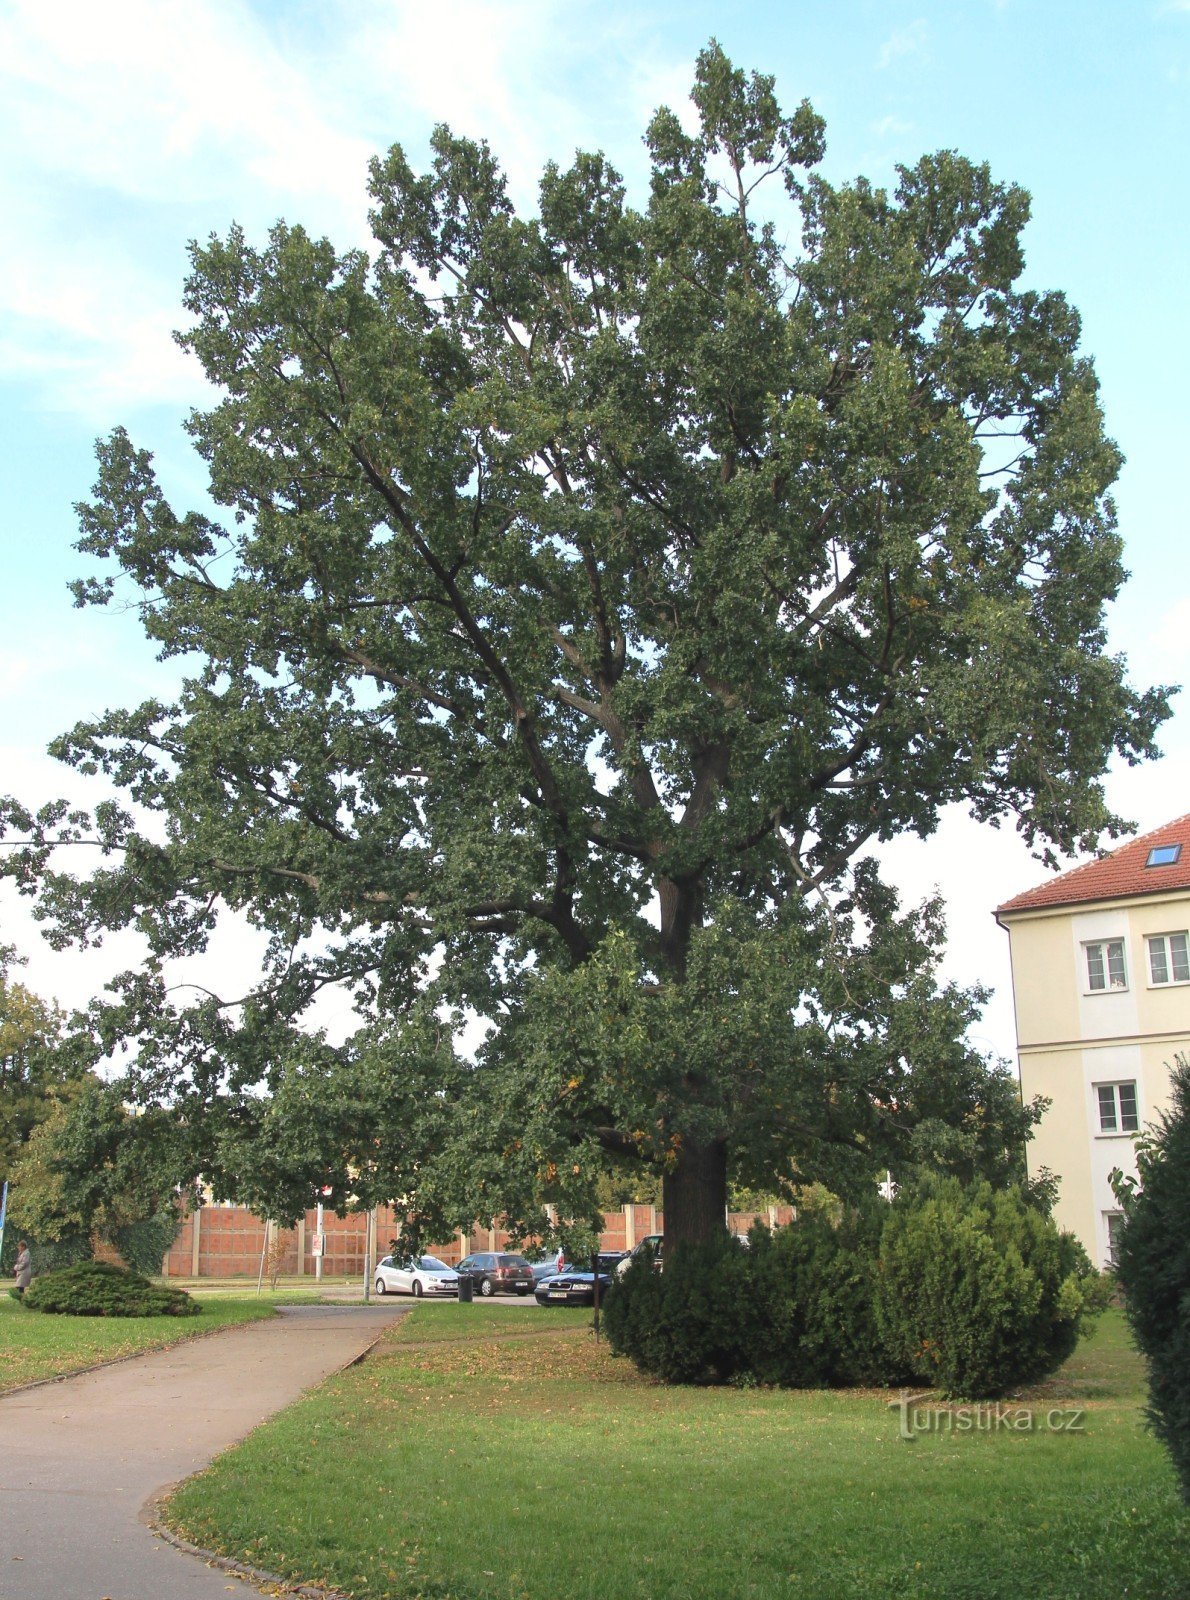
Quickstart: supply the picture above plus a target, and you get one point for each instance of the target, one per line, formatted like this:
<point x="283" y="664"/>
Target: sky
<point x="129" y="129"/>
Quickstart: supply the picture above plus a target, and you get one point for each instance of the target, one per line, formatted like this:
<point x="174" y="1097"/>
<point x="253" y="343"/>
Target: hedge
<point x="972" y="1290"/>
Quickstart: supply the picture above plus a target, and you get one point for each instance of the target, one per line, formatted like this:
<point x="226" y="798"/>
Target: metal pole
<point x="595" y="1287"/>
<point x="264" y="1252"/>
<point x="321" y="1237"/>
<point x="369" y="1225"/>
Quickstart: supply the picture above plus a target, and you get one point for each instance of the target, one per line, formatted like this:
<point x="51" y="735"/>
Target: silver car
<point x="416" y="1275"/>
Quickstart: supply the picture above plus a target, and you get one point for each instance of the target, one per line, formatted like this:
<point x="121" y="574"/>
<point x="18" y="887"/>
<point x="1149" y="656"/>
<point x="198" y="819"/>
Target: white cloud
<point x="903" y="42"/>
<point x="891" y="127"/>
<point x="136" y="126"/>
<point x="158" y="99"/>
<point x="147" y="122"/>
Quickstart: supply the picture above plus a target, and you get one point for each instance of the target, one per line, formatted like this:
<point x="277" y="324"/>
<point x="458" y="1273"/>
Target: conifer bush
<point x="979" y="1291"/>
<point x="967" y="1288"/>
<point x="98" y="1289"/>
<point x="1153" y="1266"/>
<point x="813" y="1295"/>
<point x="688" y="1324"/>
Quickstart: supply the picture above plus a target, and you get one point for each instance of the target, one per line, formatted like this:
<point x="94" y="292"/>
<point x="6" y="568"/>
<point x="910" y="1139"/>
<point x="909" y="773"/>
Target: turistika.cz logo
<point x="917" y="1418"/>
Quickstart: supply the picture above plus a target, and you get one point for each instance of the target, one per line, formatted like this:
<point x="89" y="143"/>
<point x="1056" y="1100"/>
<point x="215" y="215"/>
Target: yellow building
<point x="1101" y="988"/>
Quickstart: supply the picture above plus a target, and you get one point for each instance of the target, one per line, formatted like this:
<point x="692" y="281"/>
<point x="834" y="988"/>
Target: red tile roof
<point x="1116" y="876"/>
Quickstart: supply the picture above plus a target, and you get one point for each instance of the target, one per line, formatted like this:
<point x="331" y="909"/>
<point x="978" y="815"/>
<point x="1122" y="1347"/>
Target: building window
<point x="1114" y="1221"/>
<point x="1169" y="959"/>
<point x="1105" y="965"/>
<point x="1163" y="855"/>
<point x="1117" y="1108"/>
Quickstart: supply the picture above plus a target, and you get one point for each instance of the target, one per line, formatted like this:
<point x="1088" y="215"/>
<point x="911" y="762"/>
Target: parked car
<point x="416" y="1275"/>
<point x="549" y="1266"/>
<point x="571" y="1288"/>
<point x="494" y="1272"/>
<point x="654" y="1242"/>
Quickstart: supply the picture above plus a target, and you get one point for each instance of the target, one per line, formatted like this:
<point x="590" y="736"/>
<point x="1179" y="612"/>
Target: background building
<point x="1101" y="989"/>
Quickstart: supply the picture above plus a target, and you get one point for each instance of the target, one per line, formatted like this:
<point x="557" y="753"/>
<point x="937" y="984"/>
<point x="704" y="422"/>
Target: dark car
<point x="571" y="1289"/>
<point x="495" y="1272"/>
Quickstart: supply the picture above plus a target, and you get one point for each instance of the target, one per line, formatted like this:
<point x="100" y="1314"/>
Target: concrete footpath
<point x="79" y="1458"/>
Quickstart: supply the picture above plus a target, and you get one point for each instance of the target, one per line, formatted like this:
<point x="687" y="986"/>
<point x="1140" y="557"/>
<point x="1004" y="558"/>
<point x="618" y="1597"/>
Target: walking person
<point x="22" y="1268"/>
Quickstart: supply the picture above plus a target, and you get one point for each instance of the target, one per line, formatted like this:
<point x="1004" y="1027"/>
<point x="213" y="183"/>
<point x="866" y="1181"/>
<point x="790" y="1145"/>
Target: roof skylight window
<point x="1163" y="855"/>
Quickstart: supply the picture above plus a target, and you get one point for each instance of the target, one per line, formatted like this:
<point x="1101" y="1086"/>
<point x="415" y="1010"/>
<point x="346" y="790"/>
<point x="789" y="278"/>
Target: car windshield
<point x="432" y="1264"/>
<point x="511" y="1261"/>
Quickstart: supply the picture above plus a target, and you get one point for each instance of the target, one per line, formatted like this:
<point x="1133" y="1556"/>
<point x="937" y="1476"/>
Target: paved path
<point x="79" y="1458"/>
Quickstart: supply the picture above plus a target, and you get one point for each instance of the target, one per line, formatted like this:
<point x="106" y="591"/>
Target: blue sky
<point x="131" y="128"/>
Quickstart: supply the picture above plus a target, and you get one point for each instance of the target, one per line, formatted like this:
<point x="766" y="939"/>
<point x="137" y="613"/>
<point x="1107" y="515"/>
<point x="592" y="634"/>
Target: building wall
<point x="221" y="1241"/>
<point x="1071" y="1040"/>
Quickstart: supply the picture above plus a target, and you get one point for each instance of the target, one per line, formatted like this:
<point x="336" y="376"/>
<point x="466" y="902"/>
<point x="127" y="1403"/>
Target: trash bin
<point x="466" y="1291"/>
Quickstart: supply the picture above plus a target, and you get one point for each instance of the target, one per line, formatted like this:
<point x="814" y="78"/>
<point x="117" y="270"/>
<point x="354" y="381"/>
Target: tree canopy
<point x="32" y="1074"/>
<point x="598" y="587"/>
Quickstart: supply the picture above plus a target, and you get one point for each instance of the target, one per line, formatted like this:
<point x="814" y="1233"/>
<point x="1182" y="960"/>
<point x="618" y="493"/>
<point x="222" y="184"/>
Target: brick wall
<point x="227" y="1241"/>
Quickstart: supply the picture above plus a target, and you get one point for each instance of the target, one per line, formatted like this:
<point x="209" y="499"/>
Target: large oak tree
<point x="599" y="587"/>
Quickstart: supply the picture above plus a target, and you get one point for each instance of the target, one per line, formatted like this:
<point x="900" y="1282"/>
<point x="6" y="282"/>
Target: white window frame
<point x="1162" y="942"/>
<point x="1110" y="1217"/>
<point x="1118" y="1130"/>
<point x="1102" y="959"/>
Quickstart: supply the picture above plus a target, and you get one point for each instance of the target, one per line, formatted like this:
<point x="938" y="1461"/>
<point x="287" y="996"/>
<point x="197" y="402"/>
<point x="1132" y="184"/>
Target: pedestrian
<point x="23" y="1268"/>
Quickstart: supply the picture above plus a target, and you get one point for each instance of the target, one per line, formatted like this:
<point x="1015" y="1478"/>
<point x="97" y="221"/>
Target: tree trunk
<point x="694" y="1195"/>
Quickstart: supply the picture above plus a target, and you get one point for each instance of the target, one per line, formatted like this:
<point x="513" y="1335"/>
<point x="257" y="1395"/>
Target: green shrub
<point x="979" y="1292"/>
<point x="143" y="1244"/>
<point x="97" y="1289"/>
<point x="795" y="1309"/>
<point x="971" y="1289"/>
<point x="1153" y="1266"/>
<point x="814" y="1286"/>
<point x="688" y="1324"/>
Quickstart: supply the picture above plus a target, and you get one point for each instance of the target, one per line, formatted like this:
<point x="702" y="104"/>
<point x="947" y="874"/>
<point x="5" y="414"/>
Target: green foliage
<point x="621" y="556"/>
<point x="813" y="1287"/>
<point x="1153" y="1267"/>
<point x="969" y="1289"/>
<point x="795" y="1308"/>
<point x="34" y="1073"/>
<point x="143" y="1244"/>
<point x="979" y="1291"/>
<point x="688" y="1324"/>
<point x="97" y="1289"/>
<point x="92" y="1167"/>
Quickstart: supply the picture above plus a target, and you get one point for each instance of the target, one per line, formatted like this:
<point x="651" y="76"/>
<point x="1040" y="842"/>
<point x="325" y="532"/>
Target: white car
<point x="416" y="1275"/>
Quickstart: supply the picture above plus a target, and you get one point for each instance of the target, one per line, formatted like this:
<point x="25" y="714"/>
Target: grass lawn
<point x="528" y="1468"/>
<point x="451" y="1322"/>
<point x="33" y="1345"/>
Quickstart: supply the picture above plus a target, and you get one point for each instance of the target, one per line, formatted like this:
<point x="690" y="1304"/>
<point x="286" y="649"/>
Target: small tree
<point x="32" y="1073"/>
<point x="1153" y="1263"/>
<point x="94" y="1169"/>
